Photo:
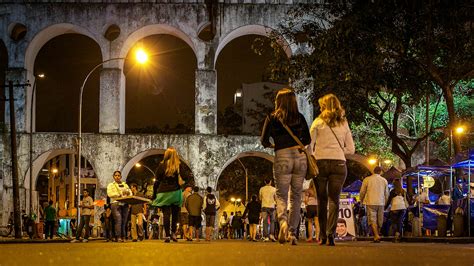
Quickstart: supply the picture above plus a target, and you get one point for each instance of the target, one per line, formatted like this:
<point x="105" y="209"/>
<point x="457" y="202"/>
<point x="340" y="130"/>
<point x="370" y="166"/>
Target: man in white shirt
<point x="267" y="197"/>
<point x="445" y="199"/>
<point x="86" y="205"/>
<point x="374" y="194"/>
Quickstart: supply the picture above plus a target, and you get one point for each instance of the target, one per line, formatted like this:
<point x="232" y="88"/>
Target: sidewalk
<point x="11" y="240"/>
<point x="432" y="239"/>
<point x="426" y="239"/>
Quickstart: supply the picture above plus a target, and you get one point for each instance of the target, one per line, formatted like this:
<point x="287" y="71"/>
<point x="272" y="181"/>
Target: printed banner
<point x="345" y="229"/>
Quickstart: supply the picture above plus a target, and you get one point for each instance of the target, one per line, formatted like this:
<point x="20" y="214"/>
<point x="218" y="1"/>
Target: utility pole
<point x="14" y="159"/>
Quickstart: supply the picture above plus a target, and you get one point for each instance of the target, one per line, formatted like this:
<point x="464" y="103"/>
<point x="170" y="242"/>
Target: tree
<point x="380" y="57"/>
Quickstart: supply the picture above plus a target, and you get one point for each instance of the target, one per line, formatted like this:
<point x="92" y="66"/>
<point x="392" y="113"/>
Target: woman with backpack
<point x="398" y="203"/>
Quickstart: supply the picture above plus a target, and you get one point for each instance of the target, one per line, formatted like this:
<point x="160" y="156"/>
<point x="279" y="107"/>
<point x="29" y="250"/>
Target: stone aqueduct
<point x="205" y="152"/>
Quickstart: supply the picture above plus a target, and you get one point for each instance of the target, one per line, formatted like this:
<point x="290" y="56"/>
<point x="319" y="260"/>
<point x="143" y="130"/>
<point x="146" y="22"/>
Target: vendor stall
<point x="468" y="166"/>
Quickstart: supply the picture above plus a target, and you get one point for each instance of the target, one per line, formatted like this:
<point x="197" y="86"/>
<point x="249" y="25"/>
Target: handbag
<point x="181" y="181"/>
<point x="312" y="170"/>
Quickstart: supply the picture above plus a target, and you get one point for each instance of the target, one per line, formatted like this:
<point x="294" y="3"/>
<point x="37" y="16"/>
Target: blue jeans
<point x="268" y="212"/>
<point x="396" y="219"/>
<point x="120" y="213"/>
<point x="329" y="182"/>
<point x="84" y="224"/>
<point x="289" y="170"/>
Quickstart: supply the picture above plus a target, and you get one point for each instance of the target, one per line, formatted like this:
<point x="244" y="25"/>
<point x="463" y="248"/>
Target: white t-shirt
<point x="267" y="196"/>
<point x="87" y="201"/>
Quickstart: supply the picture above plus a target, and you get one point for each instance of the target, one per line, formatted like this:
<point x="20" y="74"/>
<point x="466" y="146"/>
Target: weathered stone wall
<point x="205" y="152"/>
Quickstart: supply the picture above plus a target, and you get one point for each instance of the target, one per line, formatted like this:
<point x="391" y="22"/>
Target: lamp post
<point x="235" y="202"/>
<point x="33" y="91"/>
<point x="246" y="182"/>
<point x="141" y="57"/>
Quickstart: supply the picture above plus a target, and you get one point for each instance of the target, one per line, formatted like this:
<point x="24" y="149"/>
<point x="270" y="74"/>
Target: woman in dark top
<point x="253" y="211"/>
<point x="167" y="192"/>
<point x="290" y="163"/>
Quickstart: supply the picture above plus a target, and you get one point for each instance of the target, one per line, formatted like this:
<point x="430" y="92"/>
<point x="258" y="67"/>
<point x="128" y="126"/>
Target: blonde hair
<point x="286" y="107"/>
<point x="171" y="161"/>
<point x="332" y="111"/>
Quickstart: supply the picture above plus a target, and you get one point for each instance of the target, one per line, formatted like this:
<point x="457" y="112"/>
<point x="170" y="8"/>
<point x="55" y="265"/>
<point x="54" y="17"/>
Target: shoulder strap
<point x="336" y="137"/>
<point x="292" y="135"/>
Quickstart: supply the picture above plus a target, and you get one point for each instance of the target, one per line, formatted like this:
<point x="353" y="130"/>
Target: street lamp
<point x="246" y="181"/>
<point x="235" y="202"/>
<point x="33" y="89"/>
<point x="459" y="130"/>
<point x="142" y="58"/>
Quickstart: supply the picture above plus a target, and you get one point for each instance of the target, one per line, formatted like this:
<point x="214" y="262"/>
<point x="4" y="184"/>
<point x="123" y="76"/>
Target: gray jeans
<point x="332" y="174"/>
<point x="289" y="171"/>
<point x="268" y="213"/>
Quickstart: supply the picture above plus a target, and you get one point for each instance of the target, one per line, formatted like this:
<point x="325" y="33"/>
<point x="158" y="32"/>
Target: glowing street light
<point x="460" y="130"/>
<point x="372" y="161"/>
<point x="141" y="57"/>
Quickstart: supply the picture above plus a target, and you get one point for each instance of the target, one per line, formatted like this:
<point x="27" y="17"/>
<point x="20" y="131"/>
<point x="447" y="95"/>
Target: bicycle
<point x="6" y="230"/>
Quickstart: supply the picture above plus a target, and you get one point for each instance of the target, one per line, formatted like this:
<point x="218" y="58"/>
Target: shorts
<point x="375" y="215"/>
<point x="195" y="221"/>
<point x="311" y="211"/>
<point x="183" y="218"/>
<point x="210" y="220"/>
<point x="254" y="220"/>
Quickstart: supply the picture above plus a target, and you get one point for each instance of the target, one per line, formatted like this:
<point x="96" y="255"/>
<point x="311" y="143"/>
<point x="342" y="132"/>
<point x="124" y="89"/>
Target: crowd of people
<point x="276" y="214"/>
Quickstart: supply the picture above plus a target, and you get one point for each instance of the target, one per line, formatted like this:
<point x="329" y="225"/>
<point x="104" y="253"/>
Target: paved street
<point x="233" y="252"/>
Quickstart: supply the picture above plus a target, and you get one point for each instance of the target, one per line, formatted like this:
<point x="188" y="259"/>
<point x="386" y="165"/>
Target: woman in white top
<point x="311" y="211"/>
<point x="116" y="190"/>
<point x="331" y="140"/>
<point x="398" y="203"/>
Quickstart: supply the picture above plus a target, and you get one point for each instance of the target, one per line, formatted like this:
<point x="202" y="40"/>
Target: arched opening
<point x="56" y="180"/>
<point x="245" y="99"/>
<point x="251" y="166"/>
<point x="160" y="95"/>
<point x="141" y="170"/>
<point x="65" y="61"/>
<point x="3" y="68"/>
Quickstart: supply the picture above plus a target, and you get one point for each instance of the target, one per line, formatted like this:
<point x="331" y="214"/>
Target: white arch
<point x="155" y="29"/>
<point x="248" y="30"/>
<point x="135" y="159"/>
<point x="241" y="155"/>
<point x="35" y="45"/>
<point x="41" y="160"/>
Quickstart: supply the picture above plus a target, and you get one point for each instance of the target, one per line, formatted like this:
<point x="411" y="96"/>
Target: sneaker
<point x="75" y="241"/>
<point x="167" y="239"/>
<point x="283" y="232"/>
<point x="272" y="238"/>
<point x="293" y="240"/>
<point x="85" y="240"/>
<point x="120" y="240"/>
<point x="266" y="239"/>
<point x="331" y="241"/>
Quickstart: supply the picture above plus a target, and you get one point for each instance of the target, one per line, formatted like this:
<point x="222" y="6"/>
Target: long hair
<point x="286" y="107"/>
<point x="171" y="161"/>
<point x="397" y="187"/>
<point x="332" y="111"/>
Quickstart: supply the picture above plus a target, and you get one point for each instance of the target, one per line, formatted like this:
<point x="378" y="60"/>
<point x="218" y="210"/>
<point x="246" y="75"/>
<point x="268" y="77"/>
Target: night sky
<point x="158" y="94"/>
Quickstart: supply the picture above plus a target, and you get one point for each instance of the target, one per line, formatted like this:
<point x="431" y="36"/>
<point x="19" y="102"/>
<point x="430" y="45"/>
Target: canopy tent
<point x="354" y="187"/>
<point x="467" y="165"/>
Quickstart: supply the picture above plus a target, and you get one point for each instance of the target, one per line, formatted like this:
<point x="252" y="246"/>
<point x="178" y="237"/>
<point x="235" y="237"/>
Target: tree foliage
<point x="381" y="57"/>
